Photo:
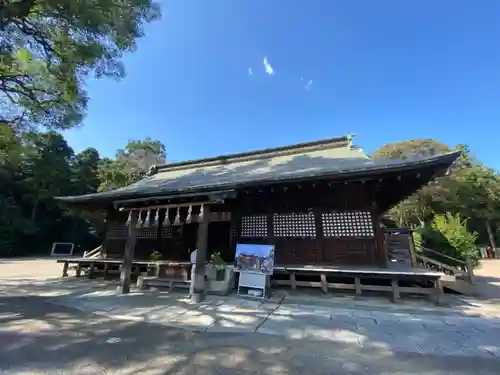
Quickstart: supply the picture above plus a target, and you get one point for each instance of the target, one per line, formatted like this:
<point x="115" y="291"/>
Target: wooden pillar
<point x="395" y="290"/>
<point x="106" y="270"/>
<point x="128" y="256"/>
<point x="380" y="242"/>
<point x="357" y="285"/>
<point x="65" y="269"/>
<point x="324" y="284"/>
<point x="293" y="283"/>
<point x="438" y="291"/>
<point x="201" y="256"/>
<point x="78" y="270"/>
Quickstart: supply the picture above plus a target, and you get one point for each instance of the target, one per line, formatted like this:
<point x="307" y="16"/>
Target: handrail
<point x="437" y="263"/>
<point x="92" y="253"/>
<point x="467" y="266"/>
<point x="445" y="256"/>
<point x="398" y="230"/>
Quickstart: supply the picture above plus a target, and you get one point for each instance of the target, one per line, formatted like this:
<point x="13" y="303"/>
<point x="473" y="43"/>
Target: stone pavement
<point x="37" y="338"/>
<point x="430" y="331"/>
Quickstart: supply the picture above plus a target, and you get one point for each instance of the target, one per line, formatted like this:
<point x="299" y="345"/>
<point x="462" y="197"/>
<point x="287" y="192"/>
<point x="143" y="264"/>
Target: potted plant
<point x="219" y="265"/>
<point x="219" y="275"/>
<point x="154" y="257"/>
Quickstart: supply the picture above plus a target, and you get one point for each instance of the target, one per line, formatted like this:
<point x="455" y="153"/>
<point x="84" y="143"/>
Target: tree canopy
<point x="49" y="47"/>
<point x="36" y="166"/>
<point x="471" y="190"/>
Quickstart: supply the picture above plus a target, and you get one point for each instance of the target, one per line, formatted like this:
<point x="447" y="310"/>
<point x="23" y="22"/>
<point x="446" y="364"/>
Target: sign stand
<point x="253" y="284"/>
<point x="255" y="264"/>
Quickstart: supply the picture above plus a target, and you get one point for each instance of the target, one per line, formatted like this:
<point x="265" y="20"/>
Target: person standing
<point x="193" y="269"/>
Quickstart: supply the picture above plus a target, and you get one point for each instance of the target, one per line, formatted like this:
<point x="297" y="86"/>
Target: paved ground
<point x="50" y="326"/>
<point x="409" y="329"/>
<point x="488" y="279"/>
<point x="37" y="337"/>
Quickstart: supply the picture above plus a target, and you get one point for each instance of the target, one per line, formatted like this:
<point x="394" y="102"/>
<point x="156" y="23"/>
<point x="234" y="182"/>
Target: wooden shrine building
<point x="319" y="203"/>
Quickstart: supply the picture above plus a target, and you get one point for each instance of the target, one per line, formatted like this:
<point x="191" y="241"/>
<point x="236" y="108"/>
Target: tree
<point x="477" y="194"/>
<point x="131" y="163"/>
<point x="47" y="168"/>
<point x="420" y="207"/>
<point x="449" y="234"/>
<point x="49" y="47"/>
<point x="85" y="175"/>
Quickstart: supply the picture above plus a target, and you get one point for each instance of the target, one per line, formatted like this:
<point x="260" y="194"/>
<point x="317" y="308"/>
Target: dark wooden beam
<point x="201" y="257"/>
<point x="128" y="256"/>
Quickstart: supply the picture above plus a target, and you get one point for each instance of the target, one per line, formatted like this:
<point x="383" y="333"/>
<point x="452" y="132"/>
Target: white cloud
<point x="309" y="84"/>
<point x="267" y="66"/>
<point x="250" y="71"/>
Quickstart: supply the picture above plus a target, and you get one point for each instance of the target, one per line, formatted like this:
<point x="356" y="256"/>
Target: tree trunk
<point x="491" y="237"/>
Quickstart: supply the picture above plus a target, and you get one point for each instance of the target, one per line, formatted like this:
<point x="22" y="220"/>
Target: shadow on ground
<point x="48" y="338"/>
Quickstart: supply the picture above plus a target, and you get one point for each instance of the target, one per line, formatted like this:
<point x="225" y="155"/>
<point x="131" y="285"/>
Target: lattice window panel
<point x="294" y="225"/>
<point x="347" y="224"/>
<point x="149" y="233"/>
<point x="234" y="230"/>
<point x="254" y="226"/>
<point x="166" y="232"/>
<point x="122" y="233"/>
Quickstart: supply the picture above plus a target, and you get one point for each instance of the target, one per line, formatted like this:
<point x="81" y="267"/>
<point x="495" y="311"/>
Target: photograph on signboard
<point x="256" y="258"/>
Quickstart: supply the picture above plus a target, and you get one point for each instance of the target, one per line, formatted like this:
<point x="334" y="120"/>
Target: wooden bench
<point x="143" y="282"/>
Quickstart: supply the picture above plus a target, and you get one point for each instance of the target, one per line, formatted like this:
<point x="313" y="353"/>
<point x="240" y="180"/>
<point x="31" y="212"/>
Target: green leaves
<point x="36" y="166"/>
<point x="471" y="190"/>
<point x="449" y="234"/>
<point x="131" y="164"/>
<point x="49" y="47"/>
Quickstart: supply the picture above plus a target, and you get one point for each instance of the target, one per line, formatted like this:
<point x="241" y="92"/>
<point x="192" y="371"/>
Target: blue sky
<point x="386" y="70"/>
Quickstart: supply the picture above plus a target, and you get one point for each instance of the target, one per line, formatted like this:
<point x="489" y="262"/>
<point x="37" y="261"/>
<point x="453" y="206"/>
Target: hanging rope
<point x="139" y="219"/>
<point x="129" y="219"/>
<point x="147" y="221"/>
<point x="201" y="214"/>
<point x="188" y="217"/>
<point x="166" y="221"/>
<point x="157" y="218"/>
<point x="177" y="220"/>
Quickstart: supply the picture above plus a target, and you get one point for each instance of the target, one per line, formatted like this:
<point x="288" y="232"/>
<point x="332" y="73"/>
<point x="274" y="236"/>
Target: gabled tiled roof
<point x="333" y="157"/>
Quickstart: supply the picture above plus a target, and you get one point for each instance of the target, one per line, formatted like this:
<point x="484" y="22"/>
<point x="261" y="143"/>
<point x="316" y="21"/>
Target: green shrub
<point x="417" y="239"/>
<point x="449" y="235"/>
<point x="155" y="256"/>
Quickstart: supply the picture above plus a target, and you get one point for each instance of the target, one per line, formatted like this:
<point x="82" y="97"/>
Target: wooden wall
<point x="336" y="224"/>
<point x="320" y="223"/>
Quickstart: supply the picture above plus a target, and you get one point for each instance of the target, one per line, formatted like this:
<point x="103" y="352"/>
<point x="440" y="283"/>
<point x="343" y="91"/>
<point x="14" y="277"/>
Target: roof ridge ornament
<point x="152" y="170"/>
<point x="349" y="137"/>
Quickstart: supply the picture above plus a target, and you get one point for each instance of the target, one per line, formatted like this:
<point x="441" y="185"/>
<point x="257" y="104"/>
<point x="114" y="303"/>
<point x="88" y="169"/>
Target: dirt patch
<point x="29" y="268"/>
